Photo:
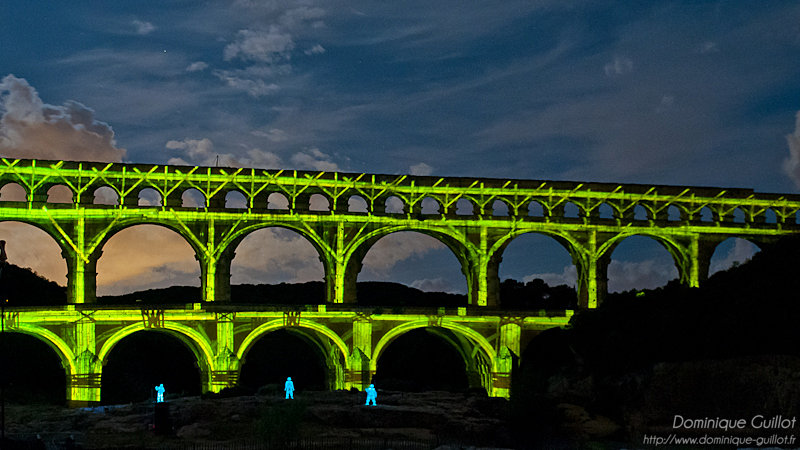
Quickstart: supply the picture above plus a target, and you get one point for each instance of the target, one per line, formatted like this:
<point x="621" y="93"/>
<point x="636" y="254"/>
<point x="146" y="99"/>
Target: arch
<point x="770" y="216"/>
<point x="394" y="205"/>
<point x="149" y="197"/>
<point x="59" y="193"/>
<point x="365" y="244"/>
<point x="673" y="249"/>
<point x="106" y="195"/>
<point x="276" y="200"/>
<point x="193" y="339"/>
<point x="738" y="215"/>
<point x="303" y="323"/>
<point x="737" y="250"/>
<point x="357" y="204"/>
<point x="674" y="213"/>
<point x="319" y="202"/>
<point x="13" y="192"/>
<point x="706" y="215"/>
<point x="605" y="211"/>
<point x="193" y="198"/>
<point x="465" y="207"/>
<point x="473" y="336"/>
<point x="571" y="211"/>
<point x="139" y="236"/>
<point x="521" y="273"/>
<point x="535" y="209"/>
<point x="500" y="208"/>
<point x="235" y="200"/>
<point x="640" y="213"/>
<point x="430" y="205"/>
<point x="233" y="240"/>
<point x="274" y="254"/>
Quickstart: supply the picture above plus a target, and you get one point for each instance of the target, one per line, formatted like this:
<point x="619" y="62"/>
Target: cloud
<point x="196" y="66"/>
<point x="396" y="247"/>
<point x="314" y="159"/>
<point x="315" y="50"/>
<point x="791" y="165"/>
<point x="201" y="152"/>
<point x="146" y="257"/>
<point x="434" y="285"/>
<point x="274" y="255"/>
<point x="267" y="46"/>
<point x="568" y="276"/>
<point x="143" y="28"/>
<point x="619" y="66"/>
<point x="254" y="86"/>
<point x="30" y="128"/>
<point x="708" y="47"/>
<point x="648" y="274"/>
<point x="741" y="251"/>
<point x="421" y="169"/>
<point x="28" y="246"/>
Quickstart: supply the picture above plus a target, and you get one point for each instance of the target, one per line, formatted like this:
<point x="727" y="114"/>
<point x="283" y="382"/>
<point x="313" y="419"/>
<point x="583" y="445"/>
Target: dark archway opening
<point x="30" y="371"/>
<point x="145" y="359"/>
<point x="281" y="354"/>
<point x="420" y="360"/>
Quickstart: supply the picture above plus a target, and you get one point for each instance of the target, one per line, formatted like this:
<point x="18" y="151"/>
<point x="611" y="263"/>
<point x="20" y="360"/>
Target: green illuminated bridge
<point x="83" y="204"/>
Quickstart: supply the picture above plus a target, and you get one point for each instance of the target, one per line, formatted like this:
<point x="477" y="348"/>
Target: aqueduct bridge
<point x="83" y="204"/>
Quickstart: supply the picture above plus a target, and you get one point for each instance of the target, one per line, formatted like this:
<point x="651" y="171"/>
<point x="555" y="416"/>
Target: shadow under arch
<point x="35" y="371"/>
<point x="53" y="341"/>
<point x="341" y="363"/>
<point x="473" y="337"/>
<point x="194" y="341"/>
<point x="460" y="248"/>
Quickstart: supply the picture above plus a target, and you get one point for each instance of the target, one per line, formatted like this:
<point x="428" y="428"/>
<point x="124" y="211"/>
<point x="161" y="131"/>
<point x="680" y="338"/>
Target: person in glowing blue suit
<point x="372" y="395"/>
<point x="289" y="388"/>
<point x="160" y="396"/>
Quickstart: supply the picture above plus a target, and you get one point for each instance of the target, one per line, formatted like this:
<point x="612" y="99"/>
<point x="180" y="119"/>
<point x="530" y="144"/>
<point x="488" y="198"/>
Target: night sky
<point x="666" y="92"/>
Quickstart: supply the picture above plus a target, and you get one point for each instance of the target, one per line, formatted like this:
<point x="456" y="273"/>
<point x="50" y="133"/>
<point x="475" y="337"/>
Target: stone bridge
<point x="83" y="204"/>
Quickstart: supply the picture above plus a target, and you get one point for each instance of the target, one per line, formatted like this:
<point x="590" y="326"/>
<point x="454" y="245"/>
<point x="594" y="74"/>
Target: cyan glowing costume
<point x="372" y="395"/>
<point x="160" y="393"/>
<point x="289" y="388"/>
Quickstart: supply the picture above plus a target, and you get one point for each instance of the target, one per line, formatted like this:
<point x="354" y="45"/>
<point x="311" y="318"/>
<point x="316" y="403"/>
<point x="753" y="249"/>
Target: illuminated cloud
<point x="396" y="247"/>
<point x="315" y="50"/>
<point x="648" y="274"/>
<point x="30" y="128"/>
<point x="275" y="255"/>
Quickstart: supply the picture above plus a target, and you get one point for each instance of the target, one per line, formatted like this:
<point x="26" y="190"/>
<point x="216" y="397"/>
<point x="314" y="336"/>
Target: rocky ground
<point x="334" y="419"/>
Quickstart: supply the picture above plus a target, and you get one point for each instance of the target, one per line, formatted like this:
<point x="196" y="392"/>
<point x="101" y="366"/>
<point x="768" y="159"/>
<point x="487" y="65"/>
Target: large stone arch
<point x="567" y="241"/>
<point x="457" y="244"/>
<point x="678" y="250"/>
<point x="105" y="235"/>
<point x="47" y="228"/>
<point x="459" y="330"/>
<point x="341" y="364"/>
<point x="194" y="340"/>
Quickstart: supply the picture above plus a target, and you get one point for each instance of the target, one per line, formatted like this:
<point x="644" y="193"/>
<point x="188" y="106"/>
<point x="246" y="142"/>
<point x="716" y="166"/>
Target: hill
<point x="727" y="348"/>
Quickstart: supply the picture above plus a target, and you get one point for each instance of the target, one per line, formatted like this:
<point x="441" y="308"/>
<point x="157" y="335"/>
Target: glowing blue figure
<point x="289" y="388"/>
<point x="160" y="390"/>
<point x="372" y="395"/>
